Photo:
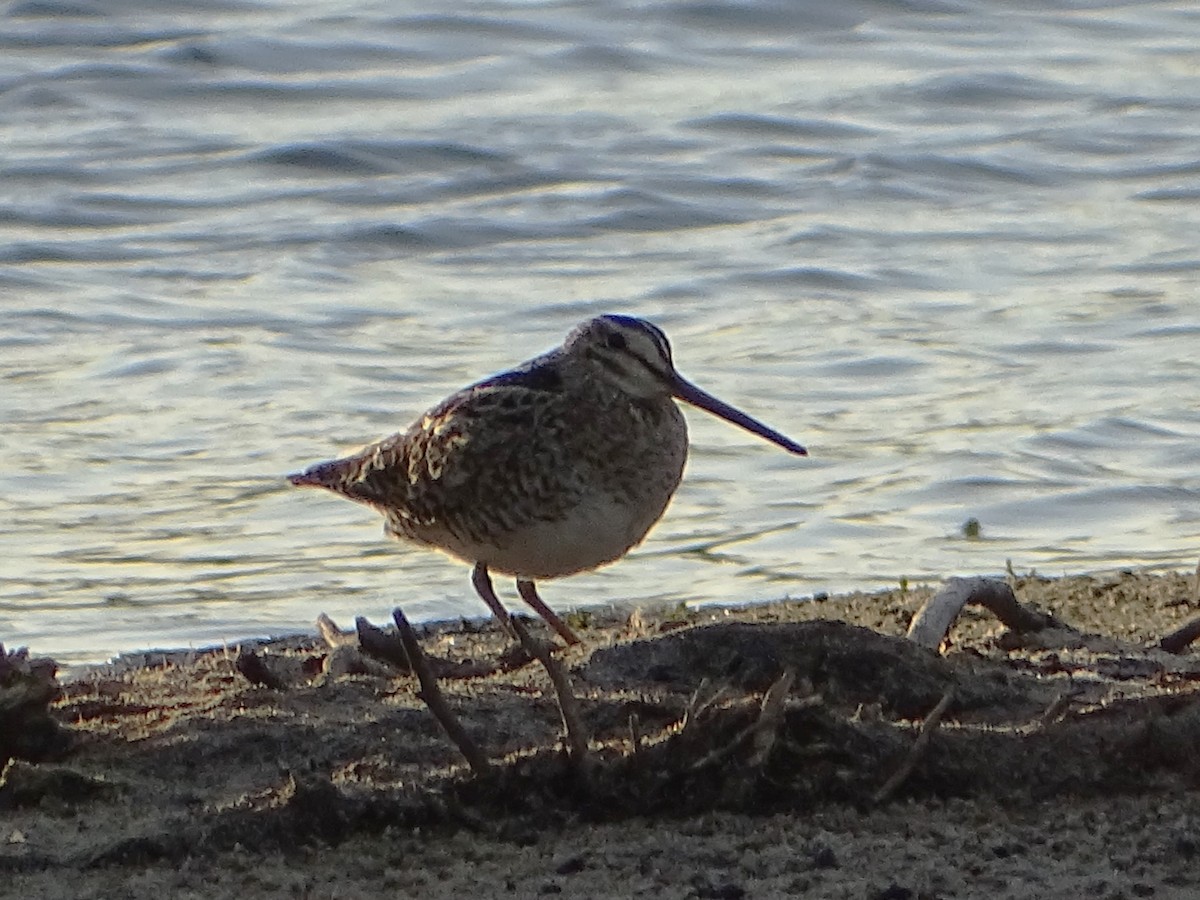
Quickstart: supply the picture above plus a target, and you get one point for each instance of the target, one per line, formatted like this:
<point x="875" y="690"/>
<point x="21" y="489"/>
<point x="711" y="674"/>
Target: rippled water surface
<point x="950" y="246"/>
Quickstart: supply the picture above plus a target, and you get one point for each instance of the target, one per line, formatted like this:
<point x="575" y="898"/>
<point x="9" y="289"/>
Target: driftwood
<point x="345" y="656"/>
<point x="332" y="635"/>
<point x="932" y="622"/>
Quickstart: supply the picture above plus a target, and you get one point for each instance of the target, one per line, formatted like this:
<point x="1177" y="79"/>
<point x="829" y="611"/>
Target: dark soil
<point x="1066" y="764"/>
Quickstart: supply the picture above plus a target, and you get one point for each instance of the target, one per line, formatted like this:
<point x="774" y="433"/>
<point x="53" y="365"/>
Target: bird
<point x="557" y="466"/>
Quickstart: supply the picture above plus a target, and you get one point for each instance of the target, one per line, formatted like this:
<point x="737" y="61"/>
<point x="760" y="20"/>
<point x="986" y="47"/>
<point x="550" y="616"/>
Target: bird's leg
<point x="530" y="595"/>
<point x="483" y="587"/>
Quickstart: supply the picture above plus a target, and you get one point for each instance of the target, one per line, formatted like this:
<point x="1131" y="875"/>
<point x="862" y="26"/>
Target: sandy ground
<point x="1067" y="763"/>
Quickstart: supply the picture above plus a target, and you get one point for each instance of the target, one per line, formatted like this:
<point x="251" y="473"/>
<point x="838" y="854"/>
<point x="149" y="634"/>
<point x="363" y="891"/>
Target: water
<point x="950" y="246"/>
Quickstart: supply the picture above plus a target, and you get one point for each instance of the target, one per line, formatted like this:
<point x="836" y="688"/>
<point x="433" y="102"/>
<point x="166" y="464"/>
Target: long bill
<point x="685" y="390"/>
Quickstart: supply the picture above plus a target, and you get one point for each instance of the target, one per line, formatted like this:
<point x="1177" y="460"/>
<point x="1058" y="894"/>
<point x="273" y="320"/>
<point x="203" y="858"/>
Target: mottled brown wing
<point x="485" y="461"/>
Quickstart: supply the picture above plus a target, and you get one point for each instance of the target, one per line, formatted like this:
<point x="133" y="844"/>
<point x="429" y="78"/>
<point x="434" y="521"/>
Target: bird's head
<point x="634" y="357"/>
<point x="630" y="354"/>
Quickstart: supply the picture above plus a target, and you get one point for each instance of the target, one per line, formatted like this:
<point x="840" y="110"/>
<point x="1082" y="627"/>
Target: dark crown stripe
<point x="648" y="328"/>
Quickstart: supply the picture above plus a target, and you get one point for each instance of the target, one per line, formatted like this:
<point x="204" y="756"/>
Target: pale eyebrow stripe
<point x="660" y="339"/>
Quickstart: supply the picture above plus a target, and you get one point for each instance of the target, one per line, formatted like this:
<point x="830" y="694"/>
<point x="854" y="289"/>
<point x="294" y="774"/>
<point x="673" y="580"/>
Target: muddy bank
<point x="1065" y="763"/>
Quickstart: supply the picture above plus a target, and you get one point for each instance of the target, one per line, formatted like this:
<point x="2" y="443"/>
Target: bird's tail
<point x="333" y="475"/>
<point x="357" y="477"/>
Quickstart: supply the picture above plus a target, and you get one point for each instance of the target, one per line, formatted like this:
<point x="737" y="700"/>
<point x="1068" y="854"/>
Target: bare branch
<point x="702" y="702"/>
<point x="568" y="706"/>
<point x="762" y="730"/>
<point x="382" y="645"/>
<point x="432" y="696"/>
<point x="917" y="750"/>
<point x="769" y="718"/>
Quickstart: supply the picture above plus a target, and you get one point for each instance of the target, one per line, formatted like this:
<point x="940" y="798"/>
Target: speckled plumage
<point x="556" y="467"/>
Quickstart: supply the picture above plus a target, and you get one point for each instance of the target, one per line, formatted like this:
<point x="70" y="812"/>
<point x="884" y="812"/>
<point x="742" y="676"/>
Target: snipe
<point x="558" y="466"/>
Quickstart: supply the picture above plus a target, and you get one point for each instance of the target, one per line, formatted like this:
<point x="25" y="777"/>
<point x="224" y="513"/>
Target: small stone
<point x="571" y="866"/>
<point x="823" y="857"/>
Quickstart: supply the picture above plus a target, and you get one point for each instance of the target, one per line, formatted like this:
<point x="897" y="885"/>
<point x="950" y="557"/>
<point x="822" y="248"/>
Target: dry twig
<point x="382" y="645"/>
<point x="568" y="706"/>
<point x="769" y="718"/>
<point x="635" y="735"/>
<point x="762" y="730"/>
<point x="917" y="750"/>
<point x="431" y="695"/>
<point x="702" y="702"/>
<point x="1058" y="706"/>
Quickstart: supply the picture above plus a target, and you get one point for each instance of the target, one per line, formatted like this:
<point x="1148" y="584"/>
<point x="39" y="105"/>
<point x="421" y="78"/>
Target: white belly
<point x="593" y="534"/>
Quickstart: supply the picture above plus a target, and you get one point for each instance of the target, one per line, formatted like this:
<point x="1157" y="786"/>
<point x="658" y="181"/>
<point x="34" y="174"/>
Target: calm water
<point x="950" y="246"/>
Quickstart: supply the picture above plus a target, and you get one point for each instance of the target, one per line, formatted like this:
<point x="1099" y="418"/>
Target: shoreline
<point x="608" y="613"/>
<point x="1064" y="765"/>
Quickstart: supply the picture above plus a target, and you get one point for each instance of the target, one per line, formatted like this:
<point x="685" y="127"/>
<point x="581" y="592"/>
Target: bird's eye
<point x="616" y="341"/>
